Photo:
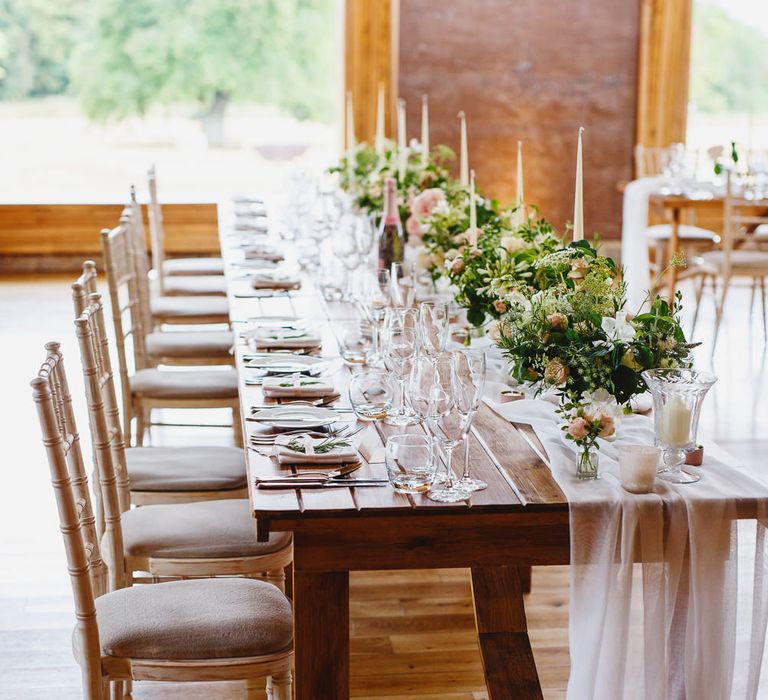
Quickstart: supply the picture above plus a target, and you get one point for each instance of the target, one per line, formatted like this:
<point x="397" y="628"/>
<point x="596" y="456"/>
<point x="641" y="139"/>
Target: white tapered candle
<point x="379" y="143"/>
<point x="518" y="218"/>
<point x="464" y="153"/>
<point x="402" y="144"/>
<point x="578" y="203"/>
<point x="424" y="131"/>
<point x="472" y="208"/>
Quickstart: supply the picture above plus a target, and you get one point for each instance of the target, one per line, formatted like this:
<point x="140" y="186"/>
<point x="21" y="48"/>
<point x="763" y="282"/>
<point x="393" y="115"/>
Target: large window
<point x="211" y="91"/>
<point x="729" y="75"/>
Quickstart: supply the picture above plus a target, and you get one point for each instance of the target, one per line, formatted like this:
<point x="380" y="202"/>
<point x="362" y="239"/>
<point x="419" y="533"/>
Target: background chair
<point x="203" y="630"/>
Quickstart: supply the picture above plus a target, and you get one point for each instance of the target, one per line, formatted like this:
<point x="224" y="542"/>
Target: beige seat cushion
<point x="194" y="266"/>
<point x="197" y="619"/>
<point x="199" y="468"/>
<point x="186" y="385"/>
<point x="190" y="307"/>
<point x="685" y="232"/>
<point x="190" y="344"/>
<point x="189" y="285"/>
<point x="200" y="530"/>
<point x="740" y="259"/>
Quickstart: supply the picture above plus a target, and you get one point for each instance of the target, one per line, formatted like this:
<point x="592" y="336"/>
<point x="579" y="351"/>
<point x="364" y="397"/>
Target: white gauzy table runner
<point x="686" y="538"/>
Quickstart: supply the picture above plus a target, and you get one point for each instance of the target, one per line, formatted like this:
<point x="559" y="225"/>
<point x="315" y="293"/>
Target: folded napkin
<point x="296" y="385"/>
<point x="262" y="252"/>
<point x="259" y="225"/>
<point x="274" y="280"/>
<point x="285" y="337"/>
<point x="305" y="449"/>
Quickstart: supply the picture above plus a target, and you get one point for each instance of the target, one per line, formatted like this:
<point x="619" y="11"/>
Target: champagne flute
<point x="399" y="346"/>
<point x="403" y="278"/>
<point x="433" y="327"/>
<point x="447" y="425"/>
<point x="469" y="379"/>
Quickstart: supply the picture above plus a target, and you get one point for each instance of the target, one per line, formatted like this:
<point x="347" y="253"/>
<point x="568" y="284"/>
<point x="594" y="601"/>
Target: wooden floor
<point x="412" y="632"/>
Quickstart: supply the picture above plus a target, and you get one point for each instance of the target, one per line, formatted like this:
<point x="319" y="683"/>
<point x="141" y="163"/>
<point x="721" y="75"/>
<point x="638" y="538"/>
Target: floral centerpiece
<point x="570" y="332"/>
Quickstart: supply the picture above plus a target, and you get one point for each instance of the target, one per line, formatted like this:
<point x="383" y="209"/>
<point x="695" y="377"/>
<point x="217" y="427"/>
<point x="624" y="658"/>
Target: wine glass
<point x="399" y="346"/>
<point x="403" y="278"/>
<point x="446" y="423"/>
<point x="433" y="327"/>
<point x="469" y="378"/>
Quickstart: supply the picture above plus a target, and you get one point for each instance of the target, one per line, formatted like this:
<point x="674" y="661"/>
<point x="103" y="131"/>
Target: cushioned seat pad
<point x="194" y="266"/>
<point x="739" y="258"/>
<point x="182" y="285"/>
<point x="187" y="384"/>
<point x="190" y="343"/>
<point x="190" y="307"/>
<point x="200" y="530"/>
<point x="684" y="231"/>
<point x="197" y="619"/>
<point x="199" y="468"/>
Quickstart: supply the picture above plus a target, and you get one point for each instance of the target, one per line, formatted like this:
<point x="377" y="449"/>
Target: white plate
<point x="282" y="362"/>
<point x="298" y="416"/>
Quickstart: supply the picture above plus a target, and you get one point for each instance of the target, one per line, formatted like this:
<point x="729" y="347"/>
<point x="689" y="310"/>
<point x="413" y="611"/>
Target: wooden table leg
<point x="321" y="634"/>
<point x="672" y="250"/>
<point x="508" y="664"/>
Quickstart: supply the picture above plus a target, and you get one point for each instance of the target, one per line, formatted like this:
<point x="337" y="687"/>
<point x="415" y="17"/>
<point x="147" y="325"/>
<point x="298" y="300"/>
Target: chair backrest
<point x="739" y="218"/>
<point x="651" y="160"/>
<point x="138" y="248"/>
<point x="124" y="295"/>
<point x="87" y="570"/>
<point x="84" y="285"/>
<point x="156" y="228"/>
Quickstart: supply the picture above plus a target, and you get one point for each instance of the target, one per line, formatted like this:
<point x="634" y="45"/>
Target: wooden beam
<point x="370" y="60"/>
<point x="664" y="66"/>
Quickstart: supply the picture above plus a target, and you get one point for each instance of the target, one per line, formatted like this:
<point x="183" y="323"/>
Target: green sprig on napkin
<point x="321" y="448"/>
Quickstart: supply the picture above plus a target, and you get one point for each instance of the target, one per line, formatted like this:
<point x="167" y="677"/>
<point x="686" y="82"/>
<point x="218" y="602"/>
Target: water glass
<point x="410" y="463"/>
<point x="371" y="394"/>
<point x="355" y="346"/>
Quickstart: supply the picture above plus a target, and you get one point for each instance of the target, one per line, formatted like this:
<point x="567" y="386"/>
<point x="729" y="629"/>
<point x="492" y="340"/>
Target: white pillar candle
<point x="472" y="209"/>
<point x="638" y="465"/>
<point x="675" y="423"/>
<point x="578" y="203"/>
<point x="350" y="122"/>
<point x="424" y="131"/>
<point x="402" y="144"/>
<point x="518" y="217"/>
<point x="464" y="153"/>
<point x="380" y="121"/>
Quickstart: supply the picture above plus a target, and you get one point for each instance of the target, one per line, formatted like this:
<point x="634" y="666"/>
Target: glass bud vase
<point x="677" y="398"/>
<point x="587" y="461"/>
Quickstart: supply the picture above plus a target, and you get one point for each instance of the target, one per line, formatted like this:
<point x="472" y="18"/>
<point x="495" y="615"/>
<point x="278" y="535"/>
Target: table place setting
<point x="263" y="337"/>
<point x="274" y="279"/>
<point x="297" y="386"/>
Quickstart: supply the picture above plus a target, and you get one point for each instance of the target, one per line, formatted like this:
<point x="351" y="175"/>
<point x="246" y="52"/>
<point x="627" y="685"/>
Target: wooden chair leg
<point x="719" y="312"/>
<point x="281" y="686"/>
<point x="127" y="690"/>
<point x="277" y="578"/>
<point x="698" y="294"/>
<point x="117" y="690"/>
<point x="141" y="426"/>
<point x="253" y="688"/>
<point x="127" y="421"/>
<point x="237" y="426"/>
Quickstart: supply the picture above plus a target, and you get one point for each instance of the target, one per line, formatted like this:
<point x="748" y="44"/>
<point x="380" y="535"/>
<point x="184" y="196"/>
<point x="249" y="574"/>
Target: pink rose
<point x="457" y="266"/>
<point x="500" y="306"/>
<point x="424" y="204"/>
<point x="413" y="227"/>
<point x="607" y="426"/>
<point x="578" y="428"/>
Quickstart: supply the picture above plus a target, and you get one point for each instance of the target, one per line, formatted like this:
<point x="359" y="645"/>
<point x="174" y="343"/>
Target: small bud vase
<point x="587" y="461"/>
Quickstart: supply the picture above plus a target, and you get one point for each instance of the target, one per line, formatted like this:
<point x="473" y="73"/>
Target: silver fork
<point x="344" y="432"/>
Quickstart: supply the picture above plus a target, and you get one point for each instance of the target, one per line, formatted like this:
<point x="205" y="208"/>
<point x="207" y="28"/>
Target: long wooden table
<point x="520" y="520"/>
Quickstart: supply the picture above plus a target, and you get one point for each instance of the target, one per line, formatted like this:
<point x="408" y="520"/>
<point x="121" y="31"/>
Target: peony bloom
<point x="457" y="266"/>
<point x="607" y="425"/>
<point x="500" y="306"/>
<point x="579" y="268"/>
<point x="557" y="321"/>
<point x="618" y="329"/>
<point x="424" y="204"/>
<point x="413" y="227"/>
<point x="578" y="428"/>
<point x="556" y="371"/>
<point x="512" y="244"/>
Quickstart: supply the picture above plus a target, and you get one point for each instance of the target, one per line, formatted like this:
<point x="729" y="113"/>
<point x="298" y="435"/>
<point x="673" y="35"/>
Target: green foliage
<point x="729" y="63"/>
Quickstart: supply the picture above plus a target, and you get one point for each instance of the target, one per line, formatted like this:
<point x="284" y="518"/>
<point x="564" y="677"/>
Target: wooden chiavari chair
<point x="180" y="276"/>
<point x="156" y="474"/>
<point x="148" y="387"/>
<point x="233" y="629"/>
<point x="739" y="221"/>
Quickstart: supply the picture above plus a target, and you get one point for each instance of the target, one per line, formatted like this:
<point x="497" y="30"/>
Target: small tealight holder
<point x="638" y="465"/>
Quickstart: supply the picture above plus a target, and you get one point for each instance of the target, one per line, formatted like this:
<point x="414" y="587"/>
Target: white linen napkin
<point x="259" y="252"/>
<point x="309" y="455"/>
<point x="284" y="338"/>
<point x="258" y="225"/>
<point x="296" y="385"/>
<point x="264" y="279"/>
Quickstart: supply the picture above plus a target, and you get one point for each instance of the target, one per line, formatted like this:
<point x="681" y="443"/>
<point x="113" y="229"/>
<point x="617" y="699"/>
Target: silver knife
<point x="283" y="485"/>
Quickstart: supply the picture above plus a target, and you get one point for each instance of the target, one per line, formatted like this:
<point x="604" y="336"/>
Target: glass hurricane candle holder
<point x="677" y="398"/>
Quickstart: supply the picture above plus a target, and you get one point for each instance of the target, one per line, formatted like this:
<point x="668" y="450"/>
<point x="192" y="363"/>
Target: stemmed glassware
<point x="403" y="281"/>
<point x="433" y="327"/>
<point x="469" y="377"/>
<point x="399" y="347"/>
